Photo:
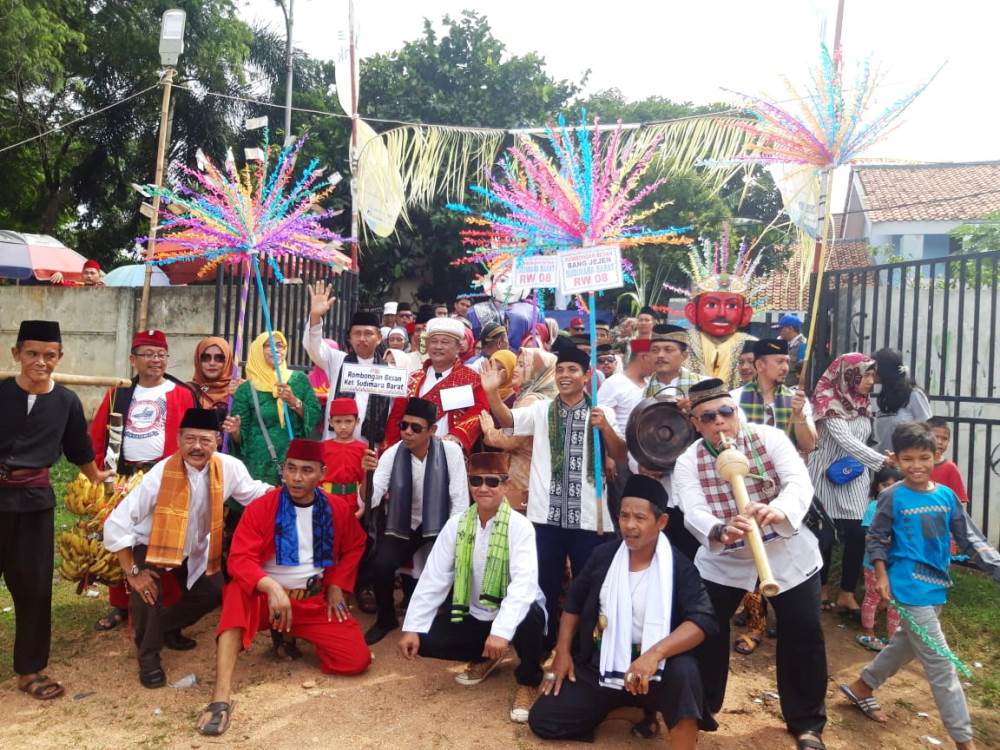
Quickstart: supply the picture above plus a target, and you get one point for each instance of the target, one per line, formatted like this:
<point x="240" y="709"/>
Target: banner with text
<point x="536" y="272"/>
<point x="591" y="269"/>
<point x="379" y="379"/>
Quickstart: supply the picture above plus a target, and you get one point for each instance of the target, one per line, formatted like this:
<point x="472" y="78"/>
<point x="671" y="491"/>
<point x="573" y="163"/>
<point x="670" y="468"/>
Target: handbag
<point x="845" y="470"/>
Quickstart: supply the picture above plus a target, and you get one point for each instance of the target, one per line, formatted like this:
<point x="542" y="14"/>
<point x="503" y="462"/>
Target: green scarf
<point x="685" y="379"/>
<point x="752" y="401"/>
<point x="557" y="441"/>
<point x="497" y="574"/>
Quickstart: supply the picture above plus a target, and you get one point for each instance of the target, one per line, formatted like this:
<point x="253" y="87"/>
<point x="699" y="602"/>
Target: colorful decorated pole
<point x="241" y="317"/>
<point x="262" y="295"/>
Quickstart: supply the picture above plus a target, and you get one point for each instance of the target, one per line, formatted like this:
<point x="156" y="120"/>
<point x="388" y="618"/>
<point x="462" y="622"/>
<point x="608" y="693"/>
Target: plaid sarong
<point x="763" y="483"/>
<point x="752" y="401"/>
<point x="497" y="574"/>
<point x="170" y="517"/>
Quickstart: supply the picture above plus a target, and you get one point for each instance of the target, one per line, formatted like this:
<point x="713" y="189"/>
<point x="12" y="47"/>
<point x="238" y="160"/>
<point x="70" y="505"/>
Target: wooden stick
<point x="64" y="378"/>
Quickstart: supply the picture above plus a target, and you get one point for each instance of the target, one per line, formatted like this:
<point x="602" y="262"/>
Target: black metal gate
<point x="289" y="305"/>
<point x="942" y="315"/>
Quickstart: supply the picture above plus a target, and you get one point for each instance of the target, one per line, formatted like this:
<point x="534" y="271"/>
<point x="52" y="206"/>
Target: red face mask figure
<point x="721" y="301"/>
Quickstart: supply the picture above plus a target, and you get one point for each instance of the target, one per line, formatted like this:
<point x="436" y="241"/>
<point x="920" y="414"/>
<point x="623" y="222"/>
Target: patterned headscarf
<point x="836" y="393"/>
<point x="539" y="374"/>
<point x="212" y="392"/>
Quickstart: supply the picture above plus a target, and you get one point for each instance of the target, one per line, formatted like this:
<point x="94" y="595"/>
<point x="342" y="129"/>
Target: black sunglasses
<point x="491" y="481"/>
<point x="605" y="360"/>
<point x="707" y="417"/>
<point x="415" y="427"/>
<point x="206" y="357"/>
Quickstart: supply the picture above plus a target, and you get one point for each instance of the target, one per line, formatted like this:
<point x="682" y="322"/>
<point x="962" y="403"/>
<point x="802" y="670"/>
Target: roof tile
<point x="949" y="191"/>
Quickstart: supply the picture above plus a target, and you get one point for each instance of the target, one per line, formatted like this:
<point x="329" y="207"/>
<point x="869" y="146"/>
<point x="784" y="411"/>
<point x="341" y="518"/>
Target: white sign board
<point x="379" y="379"/>
<point x="591" y="269"/>
<point x="536" y="271"/>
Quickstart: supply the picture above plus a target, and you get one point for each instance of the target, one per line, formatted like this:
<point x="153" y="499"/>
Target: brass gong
<point x="657" y="433"/>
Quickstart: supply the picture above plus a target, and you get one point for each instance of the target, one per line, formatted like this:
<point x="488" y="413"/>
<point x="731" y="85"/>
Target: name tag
<point x="459" y="397"/>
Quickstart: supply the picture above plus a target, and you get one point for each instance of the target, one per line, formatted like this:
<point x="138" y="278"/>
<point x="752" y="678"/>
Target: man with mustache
<point x="41" y="421"/>
<point x="171" y="525"/>
<point x="669" y="351"/>
<point x="152" y="408"/>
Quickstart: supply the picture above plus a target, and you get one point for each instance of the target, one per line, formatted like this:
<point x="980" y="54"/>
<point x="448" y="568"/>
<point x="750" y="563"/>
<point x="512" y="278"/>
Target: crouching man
<point x="628" y="628"/>
<point x="486" y="557"/>
<point x="294" y="555"/>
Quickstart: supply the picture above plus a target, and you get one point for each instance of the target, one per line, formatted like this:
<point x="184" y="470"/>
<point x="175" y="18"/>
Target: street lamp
<point x="171" y="47"/>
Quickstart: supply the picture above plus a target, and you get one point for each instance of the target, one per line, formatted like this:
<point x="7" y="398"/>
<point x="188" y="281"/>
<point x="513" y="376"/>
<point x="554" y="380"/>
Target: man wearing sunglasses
<point x="152" y="407"/>
<point x="668" y="349"/>
<point x="426" y="482"/>
<point x="607" y="360"/>
<point x="486" y="558"/>
<point x="780" y="494"/>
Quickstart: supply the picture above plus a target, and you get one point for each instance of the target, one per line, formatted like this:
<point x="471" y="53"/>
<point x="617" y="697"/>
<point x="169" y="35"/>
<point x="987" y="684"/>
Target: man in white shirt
<point x="172" y="524"/>
<point x="780" y="494"/>
<point x="426" y="480"/>
<point x="486" y="557"/>
<point x="365" y="339"/>
<point x="388" y="318"/>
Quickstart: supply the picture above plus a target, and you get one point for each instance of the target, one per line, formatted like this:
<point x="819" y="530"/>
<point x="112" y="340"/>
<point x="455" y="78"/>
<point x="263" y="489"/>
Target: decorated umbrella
<point x="237" y="217"/>
<point x="582" y="201"/>
<point x="135" y="275"/>
<point x="23" y="256"/>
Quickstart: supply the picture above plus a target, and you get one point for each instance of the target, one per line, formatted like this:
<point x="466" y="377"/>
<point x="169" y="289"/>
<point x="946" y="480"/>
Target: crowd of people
<point x="498" y="506"/>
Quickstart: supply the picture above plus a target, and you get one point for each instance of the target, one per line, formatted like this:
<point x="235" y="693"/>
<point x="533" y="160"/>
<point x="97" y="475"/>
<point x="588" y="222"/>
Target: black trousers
<point x="554" y="544"/>
<point x="464" y="641"/>
<point x="581" y="706"/>
<point x="390" y="553"/>
<point x="851" y="534"/>
<point x="150" y="622"/>
<point x="26" y="550"/>
<point x="801" y="653"/>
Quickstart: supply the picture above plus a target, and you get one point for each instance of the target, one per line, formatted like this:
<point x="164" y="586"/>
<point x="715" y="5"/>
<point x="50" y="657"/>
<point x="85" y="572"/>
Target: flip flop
<point x="746" y="644"/>
<point x="215" y="727"/>
<point x="809" y="741"/>
<point x="43" y="688"/>
<point x="111" y="620"/>
<point x="827" y="606"/>
<point x="867" y="706"/>
<point x="870" y="642"/>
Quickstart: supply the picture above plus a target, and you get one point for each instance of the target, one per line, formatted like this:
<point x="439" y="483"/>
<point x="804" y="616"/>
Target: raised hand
<point x="491" y="377"/>
<point x="320" y="300"/>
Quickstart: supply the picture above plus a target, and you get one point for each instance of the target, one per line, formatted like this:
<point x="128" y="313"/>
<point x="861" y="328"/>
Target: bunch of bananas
<point x="84" y="557"/>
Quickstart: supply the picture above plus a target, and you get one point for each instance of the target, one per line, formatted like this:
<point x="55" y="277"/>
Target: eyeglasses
<point x="415" y="427"/>
<point x="605" y="360"/>
<point x="152" y="356"/>
<point x="707" y="417"/>
<point x="578" y="329"/>
<point x="490" y="481"/>
<point x="220" y="358"/>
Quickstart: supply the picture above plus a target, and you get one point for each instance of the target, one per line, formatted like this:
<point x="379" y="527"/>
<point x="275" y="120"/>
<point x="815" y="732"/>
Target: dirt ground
<point x="408" y="706"/>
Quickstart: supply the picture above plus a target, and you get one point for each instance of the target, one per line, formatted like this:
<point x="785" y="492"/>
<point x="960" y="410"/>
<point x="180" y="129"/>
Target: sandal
<point x="647" y="727"/>
<point x="746" y="644"/>
<point x="42" y="688"/>
<point x="868" y="706"/>
<point x="810" y="741"/>
<point x="827" y="606"/>
<point x="153" y="678"/>
<point x="219" y="723"/>
<point x="870" y="642"/>
<point x="111" y="620"/>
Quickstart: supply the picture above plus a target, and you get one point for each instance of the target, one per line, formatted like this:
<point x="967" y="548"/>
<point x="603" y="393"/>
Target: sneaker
<point x="524" y="698"/>
<point x="872" y="643"/>
<point x="476" y="671"/>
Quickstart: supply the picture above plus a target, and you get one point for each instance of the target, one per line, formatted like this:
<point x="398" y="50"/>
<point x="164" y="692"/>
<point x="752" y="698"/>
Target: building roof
<point x="946" y="191"/>
<point x="784" y="290"/>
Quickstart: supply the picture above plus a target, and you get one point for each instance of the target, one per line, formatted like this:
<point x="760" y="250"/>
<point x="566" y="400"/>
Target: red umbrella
<point x="25" y="255"/>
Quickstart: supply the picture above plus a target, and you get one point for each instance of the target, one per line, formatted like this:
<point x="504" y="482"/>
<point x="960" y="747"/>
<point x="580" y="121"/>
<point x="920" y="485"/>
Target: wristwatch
<point x="715" y="534"/>
<point x="133" y="571"/>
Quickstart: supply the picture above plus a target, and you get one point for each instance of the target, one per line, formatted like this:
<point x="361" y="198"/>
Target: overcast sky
<point x="691" y="51"/>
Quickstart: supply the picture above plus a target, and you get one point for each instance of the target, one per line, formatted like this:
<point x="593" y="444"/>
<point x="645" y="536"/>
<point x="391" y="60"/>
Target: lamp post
<point x="171" y="46"/>
<point x="288" y="65"/>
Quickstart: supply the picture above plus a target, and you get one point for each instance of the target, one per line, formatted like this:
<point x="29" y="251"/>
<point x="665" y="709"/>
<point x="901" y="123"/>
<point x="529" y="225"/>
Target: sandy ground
<point x="408" y="706"/>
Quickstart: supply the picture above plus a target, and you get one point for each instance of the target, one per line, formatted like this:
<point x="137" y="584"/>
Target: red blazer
<point x="253" y="543"/>
<point x="179" y="400"/>
<point x="462" y="423"/>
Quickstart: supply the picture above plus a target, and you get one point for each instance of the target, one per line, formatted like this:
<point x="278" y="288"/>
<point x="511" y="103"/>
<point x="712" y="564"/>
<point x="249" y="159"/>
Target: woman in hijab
<point x="898" y="400"/>
<point x="213" y="381"/>
<point x="506" y="359"/>
<point x="533" y="377"/>
<point x="258" y="402"/>
<point x="840" y="465"/>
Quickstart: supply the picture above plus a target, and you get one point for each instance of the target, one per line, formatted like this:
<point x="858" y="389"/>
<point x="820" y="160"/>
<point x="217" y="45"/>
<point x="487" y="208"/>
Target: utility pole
<point x="289" y="21"/>
<point x="353" y="154"/>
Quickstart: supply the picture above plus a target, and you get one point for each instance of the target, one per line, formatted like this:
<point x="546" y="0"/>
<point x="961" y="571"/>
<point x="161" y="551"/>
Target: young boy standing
<point x="908" y="543"/>
<point x="345" y="473"/>
<point x="945" y="471"/>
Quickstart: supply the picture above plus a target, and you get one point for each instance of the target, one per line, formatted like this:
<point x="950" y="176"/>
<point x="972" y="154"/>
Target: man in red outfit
<point x="294" y="555"/>
<point x="152" y="408"/>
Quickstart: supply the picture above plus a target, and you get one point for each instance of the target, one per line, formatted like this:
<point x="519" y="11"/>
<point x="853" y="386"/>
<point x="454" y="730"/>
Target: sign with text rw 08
<point x="536" y="272"/>
<point x="379" y="379"/>
<point x="590" y="269"/>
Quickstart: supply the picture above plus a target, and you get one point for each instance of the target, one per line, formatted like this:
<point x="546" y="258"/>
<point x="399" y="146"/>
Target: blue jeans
<point x="554" y="545"/>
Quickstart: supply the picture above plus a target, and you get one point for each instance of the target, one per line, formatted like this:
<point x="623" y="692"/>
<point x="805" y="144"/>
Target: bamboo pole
<point x="65" y="378"/>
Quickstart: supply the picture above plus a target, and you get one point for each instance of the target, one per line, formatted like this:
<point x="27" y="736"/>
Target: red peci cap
<point x="640" y="345"/>
<point x="576" y="323"/>
<point x="92" y="264"/>
<point x="306" y="450"/>
<point x="343" y="407"/>
<point x="149" y="338"/>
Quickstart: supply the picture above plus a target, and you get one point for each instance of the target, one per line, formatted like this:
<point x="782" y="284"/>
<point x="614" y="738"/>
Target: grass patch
<point x="971" y="623"/>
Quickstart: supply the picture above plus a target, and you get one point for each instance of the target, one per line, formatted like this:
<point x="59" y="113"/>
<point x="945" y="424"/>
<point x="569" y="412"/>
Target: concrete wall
<point x="97" y="326"/>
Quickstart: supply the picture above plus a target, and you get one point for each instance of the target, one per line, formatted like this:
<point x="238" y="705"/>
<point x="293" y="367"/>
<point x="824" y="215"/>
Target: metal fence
<point x="942" y="315"/>
<point x="289" y="305"/>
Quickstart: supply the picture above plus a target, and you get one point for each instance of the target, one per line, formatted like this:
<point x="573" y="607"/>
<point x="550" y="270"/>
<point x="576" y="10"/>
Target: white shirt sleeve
<point x="458" y="480"/>
<point x="382" y="473"/>
<point x="524" y="418"/>
<point x="239" y="485"/>
<point x="435" y="581"/>
<point x="840" y="431"/>
<point x="129" y="523"/>
<point x="322" y="355"/>
<point x="612" y="420"/>
<point x="523" y="587"/>
<point x="691" y="498"/>
<point x="796" y="492"/>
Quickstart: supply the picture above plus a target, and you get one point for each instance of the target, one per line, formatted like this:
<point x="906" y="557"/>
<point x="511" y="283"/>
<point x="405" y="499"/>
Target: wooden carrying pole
<point x="733" y="466"/>
<point x="67" y="379"/>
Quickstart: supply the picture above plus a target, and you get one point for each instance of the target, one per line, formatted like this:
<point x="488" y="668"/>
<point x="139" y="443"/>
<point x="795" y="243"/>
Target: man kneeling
<point x="635" y="612"/>
<point x="294" y="554"/>
<point x="487" y="557"/>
